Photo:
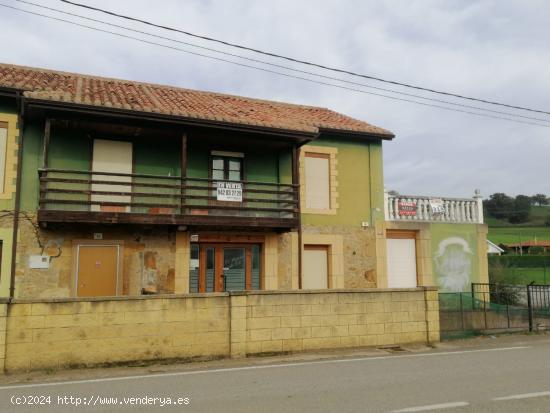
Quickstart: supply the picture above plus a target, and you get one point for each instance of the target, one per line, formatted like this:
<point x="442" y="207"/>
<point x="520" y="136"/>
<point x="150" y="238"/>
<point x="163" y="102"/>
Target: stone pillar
<point x="431" y="300"/>
<point x="271" y="253"/>
<point x="381" y="265"/>
<point x="479" y="200"/>
<point x="181" y="281"/>
<point x="237" y="321"/>
<point x="482" y="253"/>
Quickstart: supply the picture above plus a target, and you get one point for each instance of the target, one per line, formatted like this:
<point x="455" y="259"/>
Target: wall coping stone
<point x="209" y="295"/>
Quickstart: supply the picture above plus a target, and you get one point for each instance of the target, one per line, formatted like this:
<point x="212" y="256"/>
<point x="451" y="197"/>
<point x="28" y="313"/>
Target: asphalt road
<point x="502" y="377"/>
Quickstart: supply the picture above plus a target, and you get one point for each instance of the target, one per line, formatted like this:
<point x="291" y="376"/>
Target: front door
<point x="225" y="267"/>
<point x="97" y="270"/>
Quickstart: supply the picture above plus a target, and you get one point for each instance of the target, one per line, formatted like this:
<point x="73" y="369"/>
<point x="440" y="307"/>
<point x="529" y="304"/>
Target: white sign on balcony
<point x="229" y="191"/>
<point x="437" y="206"/>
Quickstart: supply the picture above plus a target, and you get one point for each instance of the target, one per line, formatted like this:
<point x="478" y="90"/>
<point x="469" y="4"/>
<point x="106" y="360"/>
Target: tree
<point x="522" y="210"/>
<point x="499" y="205"/>
<point x="539" y="199"/>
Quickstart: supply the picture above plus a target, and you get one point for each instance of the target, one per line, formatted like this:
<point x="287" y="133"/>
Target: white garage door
<point x="315" y="262"/>
<point x="401" y="263"/>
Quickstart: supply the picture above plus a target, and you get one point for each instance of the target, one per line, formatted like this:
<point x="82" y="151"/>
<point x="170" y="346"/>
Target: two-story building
<point x="114" y="187"/>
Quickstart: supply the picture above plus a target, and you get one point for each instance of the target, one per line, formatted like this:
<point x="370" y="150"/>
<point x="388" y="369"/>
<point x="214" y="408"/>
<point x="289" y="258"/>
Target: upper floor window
<point x="226" y="166"/>
<point x="319" y="180"/>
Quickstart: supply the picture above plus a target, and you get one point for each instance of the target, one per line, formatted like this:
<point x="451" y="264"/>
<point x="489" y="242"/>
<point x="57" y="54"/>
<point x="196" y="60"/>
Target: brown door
<point x="97" y="270"/>
<point x="224" y="267"/>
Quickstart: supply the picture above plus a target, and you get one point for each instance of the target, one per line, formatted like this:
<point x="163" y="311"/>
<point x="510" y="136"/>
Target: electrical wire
<point x="282" y="66"/>
<point x="305" y="62"/>
<point x="268" y="70"/>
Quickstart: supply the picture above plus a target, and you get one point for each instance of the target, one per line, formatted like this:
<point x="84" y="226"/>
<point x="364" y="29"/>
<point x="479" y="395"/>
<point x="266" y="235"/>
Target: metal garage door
<point x="401" y="267"/>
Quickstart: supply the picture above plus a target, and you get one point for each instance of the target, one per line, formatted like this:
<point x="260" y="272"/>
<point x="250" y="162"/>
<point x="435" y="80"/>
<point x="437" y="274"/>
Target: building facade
<point x="127" y="188"/>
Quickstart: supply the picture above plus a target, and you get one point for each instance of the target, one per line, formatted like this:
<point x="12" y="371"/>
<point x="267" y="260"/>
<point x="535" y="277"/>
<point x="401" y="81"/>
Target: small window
<point x="317" y="171"/>
<point x="227" y="168"/>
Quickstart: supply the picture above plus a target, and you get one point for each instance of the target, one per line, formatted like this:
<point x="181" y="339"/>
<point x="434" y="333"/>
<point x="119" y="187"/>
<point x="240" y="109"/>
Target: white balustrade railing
<point x="433" y="209"/>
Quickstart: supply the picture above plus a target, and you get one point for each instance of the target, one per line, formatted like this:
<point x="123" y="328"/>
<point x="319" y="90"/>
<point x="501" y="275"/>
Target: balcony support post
<point x="45" y="158"/>
<point x="183" y="173"/>
<point x="46" y="143"/>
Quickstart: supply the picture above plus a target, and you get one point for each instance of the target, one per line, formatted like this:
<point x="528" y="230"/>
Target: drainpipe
<point x="21" y="126"/>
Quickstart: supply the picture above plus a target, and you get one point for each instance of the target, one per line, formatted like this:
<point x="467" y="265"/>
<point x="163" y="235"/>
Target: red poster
<point x="407" y="208"/>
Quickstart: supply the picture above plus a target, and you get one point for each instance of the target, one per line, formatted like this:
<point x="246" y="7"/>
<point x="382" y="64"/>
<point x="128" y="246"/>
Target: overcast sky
<point x="492" y="49"/>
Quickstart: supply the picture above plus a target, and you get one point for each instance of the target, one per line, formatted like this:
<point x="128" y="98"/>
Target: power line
<point x="305" y="62"/>
<point x="282" y="66"/>
<point x="268" y="70"/>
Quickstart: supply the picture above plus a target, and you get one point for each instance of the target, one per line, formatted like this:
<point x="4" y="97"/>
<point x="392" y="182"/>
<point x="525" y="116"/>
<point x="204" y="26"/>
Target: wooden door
<point x="225" y="267"/>
<point x="315" y="267"/>
<point x="97" y="272"/>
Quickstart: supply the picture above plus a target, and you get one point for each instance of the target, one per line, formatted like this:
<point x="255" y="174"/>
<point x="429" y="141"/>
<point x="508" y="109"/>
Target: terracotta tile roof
<point x="168" y="100"/>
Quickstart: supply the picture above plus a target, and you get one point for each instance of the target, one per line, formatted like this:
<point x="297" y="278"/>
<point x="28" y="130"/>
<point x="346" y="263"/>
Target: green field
<point x="507" y="235"/>
<point x="502" y="232"/>
<point x="526" y="275"/>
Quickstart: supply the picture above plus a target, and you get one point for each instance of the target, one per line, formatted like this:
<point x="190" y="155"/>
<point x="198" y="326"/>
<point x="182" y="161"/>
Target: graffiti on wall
<point x="455" y="256"/>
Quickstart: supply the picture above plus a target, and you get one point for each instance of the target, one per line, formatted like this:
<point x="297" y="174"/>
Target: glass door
<point x="225" y="267"/>
<point x="234" y="269"/>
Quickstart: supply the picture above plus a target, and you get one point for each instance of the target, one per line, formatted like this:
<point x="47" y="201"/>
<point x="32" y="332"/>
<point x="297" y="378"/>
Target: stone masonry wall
<point x="87" y="332"/>
<point x="61" y="333"/>
<point x="359" y="253"/>
<point x="146" y="252"/>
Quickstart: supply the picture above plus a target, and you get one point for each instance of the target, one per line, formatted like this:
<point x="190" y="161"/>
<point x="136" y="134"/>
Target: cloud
<point x="491" y="49"/>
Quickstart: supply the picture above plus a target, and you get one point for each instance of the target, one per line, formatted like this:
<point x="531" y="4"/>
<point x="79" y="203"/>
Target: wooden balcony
<point x="105" y="197"/>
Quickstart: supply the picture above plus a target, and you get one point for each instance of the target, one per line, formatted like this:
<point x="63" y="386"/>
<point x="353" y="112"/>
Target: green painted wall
<point x="32" y="161"/>
<point x="71" y="149"/>
<point x="161" y="158"/>
<point x="360" y="183"/>
<point x="262" y="165"/>
<point x="259" y="164"/>
<point x="8" y="105"/>
<point x="285" y="167"/>
<point x="455" y="256"/>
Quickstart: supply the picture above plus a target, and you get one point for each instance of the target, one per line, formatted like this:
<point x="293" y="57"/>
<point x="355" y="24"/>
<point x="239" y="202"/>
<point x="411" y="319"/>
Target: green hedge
<point x="520" y="261"/>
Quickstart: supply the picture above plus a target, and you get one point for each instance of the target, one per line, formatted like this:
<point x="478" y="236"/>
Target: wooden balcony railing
<point x="110" y="197"/>
<point x="433" y="209"/>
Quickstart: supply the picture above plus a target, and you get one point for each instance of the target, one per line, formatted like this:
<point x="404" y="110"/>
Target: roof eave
<point x="358" y="134"/>
<point x="154" y="116"/>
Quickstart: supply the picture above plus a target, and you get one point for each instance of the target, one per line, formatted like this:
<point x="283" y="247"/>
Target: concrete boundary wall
<point x="61" y="333"/>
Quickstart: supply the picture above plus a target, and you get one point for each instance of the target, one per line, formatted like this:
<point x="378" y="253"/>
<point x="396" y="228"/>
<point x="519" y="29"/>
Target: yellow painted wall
<point x="7" y="200"/>
<point x="6" y="236"/>
<point x="359" y="182"/>
<point x="70" y="332"/>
